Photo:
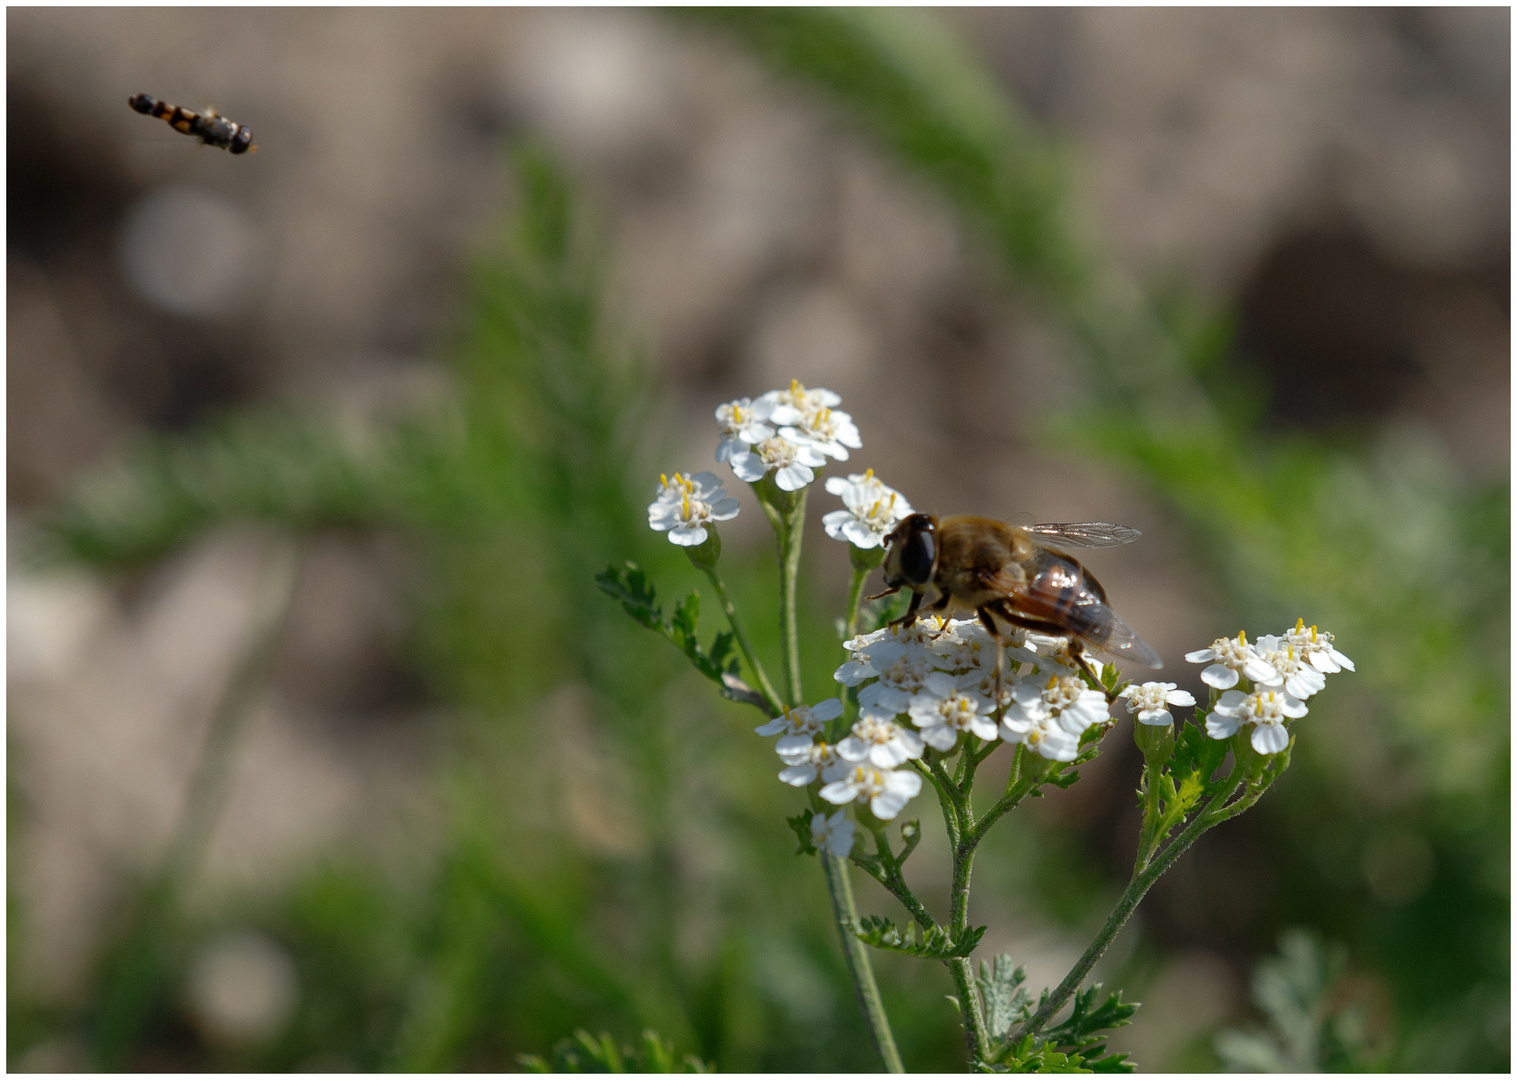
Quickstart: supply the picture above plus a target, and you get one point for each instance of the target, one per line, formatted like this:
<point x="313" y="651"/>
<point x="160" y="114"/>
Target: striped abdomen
<point x="211" y="129"/>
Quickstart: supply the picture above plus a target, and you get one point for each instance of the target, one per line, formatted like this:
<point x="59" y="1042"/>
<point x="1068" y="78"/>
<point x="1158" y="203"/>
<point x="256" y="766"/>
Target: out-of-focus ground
<point x="1340" y="175"/>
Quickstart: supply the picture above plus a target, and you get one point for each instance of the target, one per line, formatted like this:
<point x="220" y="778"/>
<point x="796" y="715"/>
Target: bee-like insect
<point x="1013" y="573"/>
<point x="209" y="128"/>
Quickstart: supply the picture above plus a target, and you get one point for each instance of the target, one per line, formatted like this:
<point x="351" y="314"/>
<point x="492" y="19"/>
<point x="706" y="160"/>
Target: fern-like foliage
<point x="586" y="1054"/>
<point x="934" y="944"/>
<point x="1076" y="1045"/>
<point x="1307" y="1030"/>
<point x="638" y="597"/>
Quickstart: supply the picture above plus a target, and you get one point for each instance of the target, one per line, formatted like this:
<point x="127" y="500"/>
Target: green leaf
<point x="933" y="944"/>
<point x="629" y="585"/>
<point x="1002" y="991"/>
<point x="801" y="824"/>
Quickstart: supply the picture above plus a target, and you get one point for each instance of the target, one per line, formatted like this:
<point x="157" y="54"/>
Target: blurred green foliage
<point x="704" y="926"/>
<point x="1309" y="1030"/>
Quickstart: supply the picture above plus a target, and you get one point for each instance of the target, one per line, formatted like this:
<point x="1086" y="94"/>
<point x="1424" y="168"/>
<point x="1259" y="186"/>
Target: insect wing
<point x="1060" y="596"/>
<point x="1124" y="644"/>
<point x="1083" y="534"/>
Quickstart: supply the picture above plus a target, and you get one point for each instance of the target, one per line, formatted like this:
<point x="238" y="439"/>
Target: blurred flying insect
<point x="1013" y="573"/>
<point x="209" y="127"/>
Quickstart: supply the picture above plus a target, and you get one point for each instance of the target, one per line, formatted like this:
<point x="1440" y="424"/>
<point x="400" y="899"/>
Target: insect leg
<point x="911" y="612"/>
<point x="887" y="592"/>
<point x="989" y="624"/>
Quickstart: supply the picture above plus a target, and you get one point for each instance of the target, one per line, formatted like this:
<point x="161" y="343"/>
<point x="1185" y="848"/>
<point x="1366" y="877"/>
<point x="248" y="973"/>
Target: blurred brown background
<point x="1340" y="175"/>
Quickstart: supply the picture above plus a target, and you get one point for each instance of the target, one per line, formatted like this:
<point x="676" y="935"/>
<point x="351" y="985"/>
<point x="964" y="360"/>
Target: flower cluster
<point x="685" y="504"/>
<point x="790" y="433"/>
<point x="940" y="676"/>
<point x="1282" y="671"/>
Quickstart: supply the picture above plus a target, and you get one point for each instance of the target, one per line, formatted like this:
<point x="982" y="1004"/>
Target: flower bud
<point x="704" y="555"/>
<point x="1156" y="741"/>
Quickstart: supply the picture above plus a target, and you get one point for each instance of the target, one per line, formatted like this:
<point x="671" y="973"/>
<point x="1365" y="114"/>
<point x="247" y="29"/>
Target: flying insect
<point x="209" y="127"/>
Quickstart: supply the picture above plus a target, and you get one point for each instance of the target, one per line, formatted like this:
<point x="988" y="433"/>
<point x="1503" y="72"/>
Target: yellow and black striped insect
<point x="209" y="128"/>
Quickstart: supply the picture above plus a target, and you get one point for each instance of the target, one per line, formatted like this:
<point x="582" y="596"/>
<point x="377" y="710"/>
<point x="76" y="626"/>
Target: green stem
<point x="976" y="1037"/>
<point x="851" y="620"/>
<point x="857" y="955"/>
<point x="1141" y="881"/>
<point x="788" y="530"/>
<point x="855" y="596"/>
<point x="790" y="572"/>
<point x="765" y="686"/>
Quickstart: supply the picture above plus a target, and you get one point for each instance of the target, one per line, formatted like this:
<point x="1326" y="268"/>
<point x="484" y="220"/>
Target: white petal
<point x="749" y="467"/>
<point x="793" y="477"/>
<point x="940" y="737"/>
<point x="839" y="791"/>
<point x="1262" y="672"/>
<point x="1221" y="676"/>
<point x="774" y="727"/>
<point x="1228" y="703"/>
<point x="1180" y="697"/>
<point x="835" y="522"/>
<point x="827" y="709"/>
<point x="724" y="509"/>
<point x="984" y="727"/>
<point x="1293" y="708"/>
<point x="1157" y="717"/>
<point x="941" y="684"/>
<point x="1220" y="725"/>
<point x="853" y="748"/>
<point x="1200" y="656"/>
<point x="794" y="749"/>
<point x="836" y="485"/>
<point x="1058" y="745"/>
<point x="798" y="775"/>
<point x="1269" y="738"/>
<point x="911" y="743"/>
<point x="689" y="536"/>
<point x="886" y="805"/>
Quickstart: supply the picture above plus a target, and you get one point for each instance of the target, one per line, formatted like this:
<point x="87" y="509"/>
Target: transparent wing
<point x="1060" y="597"/>
<point x="1125" y="644"/>
<point x="1084" y="534"/>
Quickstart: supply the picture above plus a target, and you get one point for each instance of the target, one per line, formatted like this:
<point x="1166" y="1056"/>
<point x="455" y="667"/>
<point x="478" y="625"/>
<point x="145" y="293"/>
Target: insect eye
<point x="917" y="557"/>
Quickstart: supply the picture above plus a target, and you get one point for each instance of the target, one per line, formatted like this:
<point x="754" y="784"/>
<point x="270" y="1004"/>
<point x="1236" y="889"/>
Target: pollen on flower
<point x="872" y="509"/>
<point x="685" y="504"/>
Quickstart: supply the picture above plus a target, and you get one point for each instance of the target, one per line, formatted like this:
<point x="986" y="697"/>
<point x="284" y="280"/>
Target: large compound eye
<point x="918" y="554"/>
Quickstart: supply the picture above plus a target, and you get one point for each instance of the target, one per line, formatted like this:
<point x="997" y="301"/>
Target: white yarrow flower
<point x="899" y="681"/>
<point x="685" y="504"/>
<point x="1299" y="678"/>
<point x="880" y="742"/>
<point x="1266" y="710"/>
<point x="1316" y="647"/>
<point x="792" y="463"/>
<point x="741" y="425"/>
<point x="1047" y="737"/>
<point x="873" y="509"/>
<point x="812" y="761"/>
<point x="829" y="430"/>
<point x="791" y="404"/>
<point x="886" y="792"/>
<point x="1065" y="697"/>
<point x="1231" y="659"/>
<point x="833" y="834"/>
<point x="798" y="726"/>
<point x="1150" y="702"/>
<point x="943" y="710"/>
